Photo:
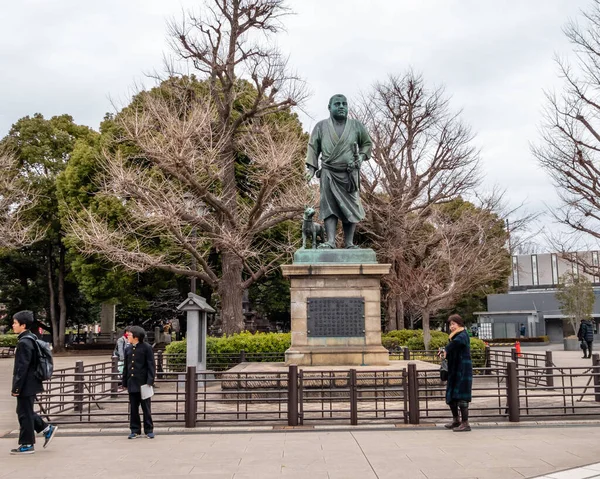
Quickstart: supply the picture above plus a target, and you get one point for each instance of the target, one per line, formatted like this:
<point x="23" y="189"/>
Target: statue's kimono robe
<point x="340" y="195"/>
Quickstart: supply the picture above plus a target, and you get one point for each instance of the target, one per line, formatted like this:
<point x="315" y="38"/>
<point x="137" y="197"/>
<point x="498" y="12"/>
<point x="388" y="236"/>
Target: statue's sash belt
<point x="351" y="185"/>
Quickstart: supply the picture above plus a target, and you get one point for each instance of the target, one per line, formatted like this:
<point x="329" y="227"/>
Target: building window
<point x="554" y="260"/>
<point x="574" y="265"/>
<point x="515" y="271"/>
<point x="534" y="270"/>
<point x="595" y="266"/>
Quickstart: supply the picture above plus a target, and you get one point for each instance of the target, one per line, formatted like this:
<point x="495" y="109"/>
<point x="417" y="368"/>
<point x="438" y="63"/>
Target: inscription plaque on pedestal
<point x="336" y="317"/>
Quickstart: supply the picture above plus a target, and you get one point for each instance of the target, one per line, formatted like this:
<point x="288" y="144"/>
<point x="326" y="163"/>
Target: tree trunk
<point x="390" y="312"/>
<point x="426" y="332"/>
<point x="231" y="292"/>
<point x="62" y="303"/>
<point x="52" y="298"/>
<point x="399" y="314"/>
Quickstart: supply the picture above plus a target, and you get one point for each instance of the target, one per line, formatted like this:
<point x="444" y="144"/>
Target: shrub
<point x="398" y="338"/>
<point x="438" y="340"/>
<point x="7" y="340"/>
<point x="233" y="344"/>
<point x="478" y="352"/>
<point x="176" y="351"/>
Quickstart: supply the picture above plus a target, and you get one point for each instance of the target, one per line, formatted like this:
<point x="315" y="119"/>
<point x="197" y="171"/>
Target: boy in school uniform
<point x="139" y="370"/>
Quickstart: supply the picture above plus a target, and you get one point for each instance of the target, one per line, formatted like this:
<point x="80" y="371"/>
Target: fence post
<point x="513" y="355"/>
<point x="191" y="389"/>
<point x="78" y="387"/>
<point x="549" y="370"/>
<point x="159" y="365"/>
<point x="488" y="359"/>
<point x="292" y="410"/>
<point x="242" y="356"/>
<point x="353" y="398"/>
<point x="114" y="378"/>
<point x="596" y="372"/>
<point x="413" y="394"/>
<point x="512" y="392"/>
<point x="406" y="353"/>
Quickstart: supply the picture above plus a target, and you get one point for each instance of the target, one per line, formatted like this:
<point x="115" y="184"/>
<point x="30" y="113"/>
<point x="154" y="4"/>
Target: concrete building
<point x="531" y="297"/>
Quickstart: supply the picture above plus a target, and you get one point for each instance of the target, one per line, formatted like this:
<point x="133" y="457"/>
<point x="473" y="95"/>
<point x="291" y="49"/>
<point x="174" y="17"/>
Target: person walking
<point x="586" y="336"/>
<point x="119" y="353"/>
<point x="139" y="371"/>
<point x="523" y="330"/>
<point x="460" y="374"/>
<point x="26" y="385"/>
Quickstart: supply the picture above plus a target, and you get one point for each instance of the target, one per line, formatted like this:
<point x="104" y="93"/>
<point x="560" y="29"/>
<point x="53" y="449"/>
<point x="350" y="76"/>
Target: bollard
<point x="596" y="370"/>
<point x="353" y="398"/>
<point x="413" y="394"/>
<point x="78" y="387"/>
<point x="549" y="370"/>
<point x="242" y="356"/>
<point x="292" y="410"/>
<point x="191" y="390"/>
<point x="114" y="378"/>
<point x="406" y="353"/>
<point x="512" y="392"/>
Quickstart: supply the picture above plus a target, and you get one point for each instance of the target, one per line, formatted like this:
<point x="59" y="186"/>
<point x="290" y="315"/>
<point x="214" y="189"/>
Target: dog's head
<point x="309" y="212"/>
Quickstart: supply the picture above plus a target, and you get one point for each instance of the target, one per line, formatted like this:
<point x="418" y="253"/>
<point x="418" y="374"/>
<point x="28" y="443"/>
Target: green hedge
<point x="8" y="340"/>
<point x="279" y="342"/>
<point x="413" y="339"/>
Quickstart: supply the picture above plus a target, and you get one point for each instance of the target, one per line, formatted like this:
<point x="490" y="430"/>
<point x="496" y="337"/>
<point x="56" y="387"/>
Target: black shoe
<point x="463" y="427"/>
<point x="453" y="424"/>
<point x="21" y="450"/>
<point x="49" y="435"/>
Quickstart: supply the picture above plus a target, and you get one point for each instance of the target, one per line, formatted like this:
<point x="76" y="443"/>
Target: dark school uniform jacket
<point x="25" y="383"/>
<point x="139" y="367"/>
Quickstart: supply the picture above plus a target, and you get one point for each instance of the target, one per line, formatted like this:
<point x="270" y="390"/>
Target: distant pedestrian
<point x="139" y="371"/>
<point x="460" y="374"/>
<point x="119" y="352"/>
<point x="26" y="385"/>
<point x="586" y="336"/>
<point x="523" y="330"/>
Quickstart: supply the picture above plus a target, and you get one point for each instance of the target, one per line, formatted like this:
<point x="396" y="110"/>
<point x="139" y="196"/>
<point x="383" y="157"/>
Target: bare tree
<point x="422" y="156"/>
<point x="184" y="189"/>
<point x="456" y="249"/>
<point x="570" y="144"/>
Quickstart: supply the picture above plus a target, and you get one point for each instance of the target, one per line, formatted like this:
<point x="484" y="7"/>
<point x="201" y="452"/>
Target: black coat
<point x="139" y="367"/>
<point x="586" y="331"/>
<point x="460" y="368"/>
<point x="26" y="357"/>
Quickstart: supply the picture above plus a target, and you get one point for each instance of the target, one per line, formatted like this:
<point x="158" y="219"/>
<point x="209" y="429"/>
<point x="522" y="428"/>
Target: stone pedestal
<point x="318" y="281"/>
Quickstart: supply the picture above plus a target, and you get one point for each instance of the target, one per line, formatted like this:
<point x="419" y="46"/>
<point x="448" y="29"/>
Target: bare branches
<point x="422" y="158"/>
<point x="570" y="144"/>
<point x="19" y="225"/>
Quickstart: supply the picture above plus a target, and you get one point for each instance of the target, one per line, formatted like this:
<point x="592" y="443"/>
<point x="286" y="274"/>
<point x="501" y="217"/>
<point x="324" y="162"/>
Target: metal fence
<point x="293" y="396"/>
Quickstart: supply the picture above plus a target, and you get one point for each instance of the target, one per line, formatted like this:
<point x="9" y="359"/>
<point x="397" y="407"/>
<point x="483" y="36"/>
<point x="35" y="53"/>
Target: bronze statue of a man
<point x="343" y="144"/>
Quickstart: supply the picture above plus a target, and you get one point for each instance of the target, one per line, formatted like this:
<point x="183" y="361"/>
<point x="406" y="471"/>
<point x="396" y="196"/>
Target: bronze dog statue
<point x="311" y="229"/>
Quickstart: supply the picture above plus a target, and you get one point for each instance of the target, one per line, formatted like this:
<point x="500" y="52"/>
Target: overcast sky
<point x="495" y="58"/>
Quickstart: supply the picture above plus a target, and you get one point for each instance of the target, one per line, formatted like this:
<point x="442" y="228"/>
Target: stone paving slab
<point x="486" y="453"/>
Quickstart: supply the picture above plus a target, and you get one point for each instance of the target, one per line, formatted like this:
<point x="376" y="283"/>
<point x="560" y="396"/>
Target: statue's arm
<point x="313" y="151"/>
<point x="365" y="143"/>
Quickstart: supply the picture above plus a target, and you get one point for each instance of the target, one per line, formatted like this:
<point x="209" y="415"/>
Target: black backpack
<point x="45" y="363"/>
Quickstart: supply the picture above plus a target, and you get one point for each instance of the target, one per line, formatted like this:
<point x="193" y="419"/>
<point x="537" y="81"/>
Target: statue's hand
<point x="310" y="174"/>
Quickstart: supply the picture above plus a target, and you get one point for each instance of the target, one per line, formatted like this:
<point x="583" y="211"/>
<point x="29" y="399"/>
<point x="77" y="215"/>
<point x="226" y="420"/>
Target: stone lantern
<point x="196" y="309"/>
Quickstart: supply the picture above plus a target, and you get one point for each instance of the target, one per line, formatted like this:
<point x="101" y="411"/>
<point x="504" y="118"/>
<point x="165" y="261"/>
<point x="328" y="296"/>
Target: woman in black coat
<point x="460" y="374"/>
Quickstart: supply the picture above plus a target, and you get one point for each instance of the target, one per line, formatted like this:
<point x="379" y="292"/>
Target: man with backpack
<point x="29" y="371"/>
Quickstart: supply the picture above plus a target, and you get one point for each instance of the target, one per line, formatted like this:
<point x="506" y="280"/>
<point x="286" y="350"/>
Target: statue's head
<point x="338" y="107"/>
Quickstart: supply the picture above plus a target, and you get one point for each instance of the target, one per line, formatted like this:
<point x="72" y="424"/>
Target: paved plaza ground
<point x="375" y="452"/>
